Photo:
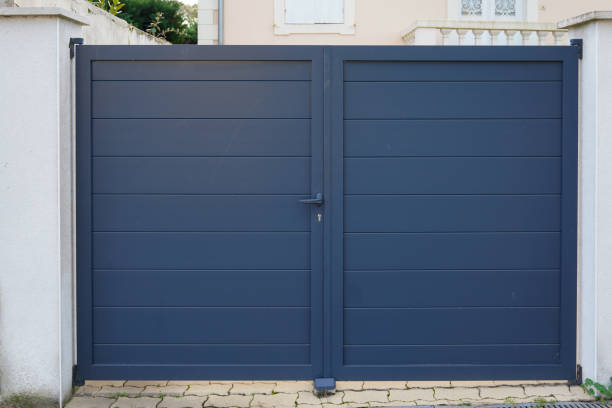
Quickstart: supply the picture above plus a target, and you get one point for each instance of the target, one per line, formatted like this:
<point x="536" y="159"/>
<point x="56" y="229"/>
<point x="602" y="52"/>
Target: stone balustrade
<point x="444" y="32"/>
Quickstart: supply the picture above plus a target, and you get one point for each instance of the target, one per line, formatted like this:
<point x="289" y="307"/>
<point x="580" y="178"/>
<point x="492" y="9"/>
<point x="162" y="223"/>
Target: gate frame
<point x="327" y="339"/>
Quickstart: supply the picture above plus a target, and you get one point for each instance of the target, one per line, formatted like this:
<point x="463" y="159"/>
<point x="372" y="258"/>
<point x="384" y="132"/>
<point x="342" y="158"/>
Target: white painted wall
<point x="595" y="224"/>
<point x="103" y="27"/>
<point x="36" y="196"/>
<point x="35" y="209"/>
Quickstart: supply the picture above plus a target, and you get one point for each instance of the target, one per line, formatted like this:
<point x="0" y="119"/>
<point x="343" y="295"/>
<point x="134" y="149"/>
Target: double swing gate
<point x="269" y="212"/>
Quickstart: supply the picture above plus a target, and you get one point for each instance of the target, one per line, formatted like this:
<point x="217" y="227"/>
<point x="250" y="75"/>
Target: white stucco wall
<point x="103" y="27"/>
<point x="595" y="309"/>
<point x="35" y="209"/>
<point x="36" y="187"/>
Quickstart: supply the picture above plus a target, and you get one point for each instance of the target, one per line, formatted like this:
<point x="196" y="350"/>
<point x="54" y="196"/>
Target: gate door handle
<point x="317" y="200"/>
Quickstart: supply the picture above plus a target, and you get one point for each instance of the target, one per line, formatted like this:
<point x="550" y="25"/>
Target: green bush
<point x="599" y="391"/>
<point x="162" y="18"/>
<point x="167" y="19"/>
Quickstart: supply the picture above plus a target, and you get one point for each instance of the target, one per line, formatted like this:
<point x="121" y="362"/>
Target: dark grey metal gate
<point x="347" y="212"/>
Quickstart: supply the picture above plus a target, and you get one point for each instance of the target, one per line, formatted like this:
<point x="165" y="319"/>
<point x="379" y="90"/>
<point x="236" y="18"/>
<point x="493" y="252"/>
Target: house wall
<point x="378" y="22"/>
<point x="557" y="10"/>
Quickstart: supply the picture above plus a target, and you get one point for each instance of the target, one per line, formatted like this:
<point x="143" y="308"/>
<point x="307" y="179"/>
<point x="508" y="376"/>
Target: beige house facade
<point x="388" y="22"/>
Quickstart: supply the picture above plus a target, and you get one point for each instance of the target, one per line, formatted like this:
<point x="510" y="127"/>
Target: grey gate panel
<point x="454" y="251"/>
<point x="197" y="258"/>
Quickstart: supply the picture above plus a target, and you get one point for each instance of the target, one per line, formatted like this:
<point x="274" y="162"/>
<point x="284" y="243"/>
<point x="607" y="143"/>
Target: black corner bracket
<point x="77" y="380"/>
<point x="578" y="380"/>
<point x="73" y="42"/>
<point x="577" y="42"/>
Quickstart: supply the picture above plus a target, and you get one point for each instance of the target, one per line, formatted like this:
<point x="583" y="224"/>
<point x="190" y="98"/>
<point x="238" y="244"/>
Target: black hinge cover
<point x="73" y="42"/>
<point x="578" y="380"/>
<point x="76" y="379"/>
<point x="577" y="42"/>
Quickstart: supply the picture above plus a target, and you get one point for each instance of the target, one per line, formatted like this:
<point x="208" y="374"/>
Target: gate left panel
<point x="196" y="259"/>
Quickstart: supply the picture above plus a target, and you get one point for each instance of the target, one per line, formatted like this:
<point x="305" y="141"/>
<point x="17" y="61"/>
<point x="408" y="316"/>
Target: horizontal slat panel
<point x="452" y="71"/>
<point x="451" y="326"/>
<point x="200" y="288"/>
<point x="201" y="325"/>
<point x="201" y="70"/>
<point x="508" y="250"/>
<point x="197" y="99"/>
<point x="406" y="100"/>
<point x="199" y="213"/>
<point x="452" y="175"/>
<point x="201" y="250"/>
<point x="465" y="288"/>
<point x="190" y="354"/>
<point x="451" y="213"/>
<point x="477" y="354"/>
<point x="201" y="137"/>
<point x="496" y="137"/>
<point x="197" y="175"/>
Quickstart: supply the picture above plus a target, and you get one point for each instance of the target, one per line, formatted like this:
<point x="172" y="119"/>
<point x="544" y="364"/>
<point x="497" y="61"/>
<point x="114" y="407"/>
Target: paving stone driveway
<point x="291" y="394"/>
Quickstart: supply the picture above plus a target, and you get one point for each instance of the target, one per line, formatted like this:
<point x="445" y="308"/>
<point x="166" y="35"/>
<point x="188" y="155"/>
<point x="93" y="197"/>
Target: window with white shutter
<point x="299" y="11"/>
<point x="314" y="16"/>
<point x="314" y="11"/>
<point x="329" y="11"/>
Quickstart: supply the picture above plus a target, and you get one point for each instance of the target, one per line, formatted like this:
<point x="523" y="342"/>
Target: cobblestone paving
<point x="291" y="394"/>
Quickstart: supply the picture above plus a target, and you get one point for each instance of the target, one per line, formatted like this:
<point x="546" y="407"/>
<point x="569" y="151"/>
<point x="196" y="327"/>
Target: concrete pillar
<point x="595" y="202"/>
<point x="208" y="12"/>
<point x="36" y="274"/>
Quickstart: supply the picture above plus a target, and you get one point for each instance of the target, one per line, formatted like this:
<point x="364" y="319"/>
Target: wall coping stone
<point x="585" y="18"/>
<point x="42" y="12"/>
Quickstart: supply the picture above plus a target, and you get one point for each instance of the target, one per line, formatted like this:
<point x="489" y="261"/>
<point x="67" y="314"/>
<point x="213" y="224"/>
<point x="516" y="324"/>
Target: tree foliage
<point x="168" y="19"/>
<point x="162" y="18"/>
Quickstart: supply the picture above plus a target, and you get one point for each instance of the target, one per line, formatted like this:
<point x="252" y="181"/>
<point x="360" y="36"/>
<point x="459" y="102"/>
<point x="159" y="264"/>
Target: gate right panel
<point x="457" y="214"/>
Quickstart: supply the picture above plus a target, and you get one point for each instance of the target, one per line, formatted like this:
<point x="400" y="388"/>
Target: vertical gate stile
<point x="337" y="97"/>
<point x="317" y="225"/>
<point x="83" y="152"/>
<point x="328" y="186"/>
<point x="569" y="211"/>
